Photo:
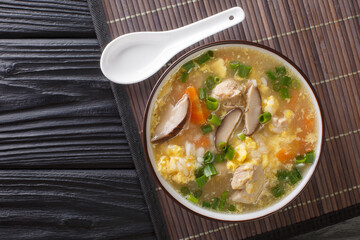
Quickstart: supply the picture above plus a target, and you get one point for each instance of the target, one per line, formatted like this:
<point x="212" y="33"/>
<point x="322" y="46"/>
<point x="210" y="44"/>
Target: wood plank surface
<point x="72" y="204"/>
<point x="56" y="108"/>
<point x="45" y="18"/>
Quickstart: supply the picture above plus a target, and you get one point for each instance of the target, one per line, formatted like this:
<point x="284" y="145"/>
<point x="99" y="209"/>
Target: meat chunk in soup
<point x="249" y="182"/>
<point x="229" y="93"/>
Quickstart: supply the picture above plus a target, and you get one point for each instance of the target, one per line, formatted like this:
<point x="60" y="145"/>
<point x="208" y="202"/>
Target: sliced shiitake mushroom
<point x="253" y="110"/>
<point x="227" y="126"/>
<point x="172" y="121"/>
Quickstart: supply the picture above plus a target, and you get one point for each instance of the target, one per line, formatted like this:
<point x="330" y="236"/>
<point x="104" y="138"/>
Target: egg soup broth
<point x="233" y="130"/>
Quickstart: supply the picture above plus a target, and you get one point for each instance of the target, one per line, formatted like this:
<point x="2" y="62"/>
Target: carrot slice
<point x="198" y="114"/>
<point x="285" y="155"/>
<point x="204" y="141"/>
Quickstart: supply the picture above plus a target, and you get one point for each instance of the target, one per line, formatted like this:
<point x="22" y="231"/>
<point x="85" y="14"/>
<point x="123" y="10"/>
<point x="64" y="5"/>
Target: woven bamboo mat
<point x="322" y="38"/>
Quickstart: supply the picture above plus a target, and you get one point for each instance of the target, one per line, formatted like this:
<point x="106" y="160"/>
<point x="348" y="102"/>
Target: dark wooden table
<point x="65" y="167"/>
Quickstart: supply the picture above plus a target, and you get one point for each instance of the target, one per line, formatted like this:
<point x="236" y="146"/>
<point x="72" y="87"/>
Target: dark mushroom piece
<point x="227" y="126"/>
<point x="172" y="121"/>
<point x="253" y="110"/>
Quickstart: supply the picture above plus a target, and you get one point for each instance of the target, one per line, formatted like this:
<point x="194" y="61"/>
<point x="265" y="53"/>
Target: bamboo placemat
<point x="322" y="38"/>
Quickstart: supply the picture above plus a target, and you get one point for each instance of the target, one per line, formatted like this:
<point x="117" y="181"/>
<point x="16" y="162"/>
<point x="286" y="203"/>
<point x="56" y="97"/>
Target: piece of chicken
<point x="249" y="182"/>
<point x="230" y="93"/>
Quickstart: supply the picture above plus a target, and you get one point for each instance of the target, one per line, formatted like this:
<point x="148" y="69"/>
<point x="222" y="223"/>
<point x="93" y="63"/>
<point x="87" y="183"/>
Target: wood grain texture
<point x="56" y="108"/>
<point x="45" y="18"/>
<point x="87" y="204"/>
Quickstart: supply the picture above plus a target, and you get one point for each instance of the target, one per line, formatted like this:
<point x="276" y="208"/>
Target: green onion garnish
<point x="230" y="153"/>
<point x="192" y="198"/>
<point x="210" y="170"/>
<point x="294" y="176"/>
<point x="224" y="196"/>
<point x="205" y="57"/>
<point x="310" y="157"/>
<point x="284" y="93"/>
<point x="222" y="146"/>
<point x="206" y="129"/>
<point x="185" y="191"/>
<point x="281" y="175"/>
<point x="234" y="64"/>
<point x="184" y="76"/>
<point x="231" y="208"/>
<point x="208" y="157"/>
<point x="214" y="120"/>
<point x="217" y="80"/>
<point x="244" y="70"/>
<point x="212" y="103"/>
<point x="271" y="75"/>
<point x="206" y="204"/>
<point x="199" y="172"/>
<point x="219" y="157"/>
<point x="202" y="93"/>
<point x="280" y="70"/>
<point x="215" y="203"/>
<point x="241" y="136"/>
<point x="265" y="117"/>
<point x="210" y="82"/>
<point x="201" y="180"/>
<point x="278" y="190"/>
<point x="285" y="81"/>
<point x="295" y="84"/>
<point x="189" y="65"/>
<point x="277" y="86"/>
<point x="198" y="193"/>
<point x="300" y="159"/>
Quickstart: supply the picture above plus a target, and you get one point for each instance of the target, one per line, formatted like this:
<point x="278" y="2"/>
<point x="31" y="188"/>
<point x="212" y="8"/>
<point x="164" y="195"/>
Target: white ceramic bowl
<point x="178" y="197"/>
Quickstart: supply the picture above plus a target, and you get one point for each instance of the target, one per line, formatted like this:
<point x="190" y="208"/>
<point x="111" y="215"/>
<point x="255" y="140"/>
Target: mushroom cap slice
<point x="227" y="126"/>
<point x="249" y="182"/>
<point x="172" y="121"/>
<point x="253" y="110"/>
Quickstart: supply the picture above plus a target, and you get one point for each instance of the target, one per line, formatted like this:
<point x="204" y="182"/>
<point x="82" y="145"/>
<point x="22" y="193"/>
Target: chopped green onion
<point x="206" y="129"/>
<point x="202" y="93"/>
<point x="277" y="86"/>
<point x="244" y="70"/>
<point x="265" y="117"/>
<point x="310" y="157"/>
<point x="215" y="203"/>
<point x="208" y="157"/>
<point x="199" y="172"/>
<point x="217" y="80"/>
<point x="230" y="153"/>
<point x="189" y="65"/>
<point x="183" y="76"/>
<point x="224" y="196"/>
<point x="214" y="120"/>
<point x="271" y="75"/>
<point x="231" y="208"/>
<point x="285" y="81"/>
<point x="222" y="146"/>
<point x="294" y="176"/>
<point x="210" y="82"/>
<point x="300" y="159"/>
<point x="210" y="170"/>
<point x="206" y="204"/>
<point x="280" y="70"/>
<point x="284" y="93"/>
<point x="295" y="84"/>
<point x="241" y="136"/>
<point x="219" y="157"/>
<point x="198" y="193"/>
<point x="192" y="198"/>
<point x="201" y="180"/>
<point x="234" y="64"/>
<point x="281" y="175"/>
<point x="185" y="191"/>
<point x="205" y="57"/>
<point x="278" y="190"/>
<point x="212" y="103"/>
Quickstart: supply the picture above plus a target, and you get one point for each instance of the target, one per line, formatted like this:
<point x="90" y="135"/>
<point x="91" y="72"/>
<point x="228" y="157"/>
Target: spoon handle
<point x="192" y="33"/>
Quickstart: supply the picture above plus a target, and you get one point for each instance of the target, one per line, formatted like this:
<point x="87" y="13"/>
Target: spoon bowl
<point x="134" y="57"/>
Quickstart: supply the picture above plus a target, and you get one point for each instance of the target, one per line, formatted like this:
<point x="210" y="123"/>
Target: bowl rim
<point x="198" y="49"/>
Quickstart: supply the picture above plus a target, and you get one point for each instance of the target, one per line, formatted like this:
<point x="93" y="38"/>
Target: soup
<point x="233" y="130"/>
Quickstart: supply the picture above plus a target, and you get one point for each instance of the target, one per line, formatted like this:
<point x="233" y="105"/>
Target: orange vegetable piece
<point x="285" y="155"/>
<point x="204" y="141"/>
<point x="198" y="113"/>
